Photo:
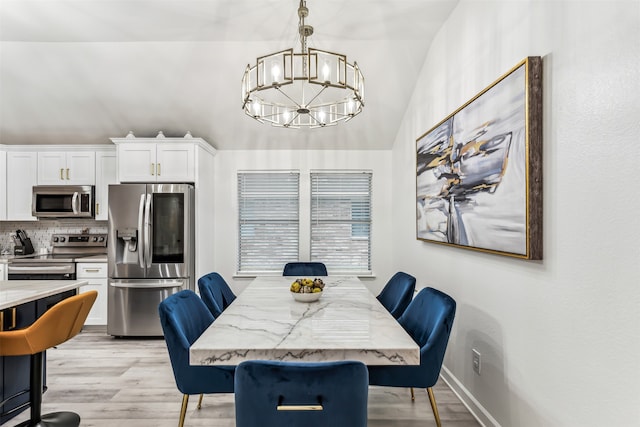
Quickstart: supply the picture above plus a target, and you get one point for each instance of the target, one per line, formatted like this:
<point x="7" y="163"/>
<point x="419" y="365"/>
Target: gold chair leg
<point x="183" y="410"/>
<point x="200" y="401"/>
<point x="434" y="407"/>
<point x="413" y="396"/>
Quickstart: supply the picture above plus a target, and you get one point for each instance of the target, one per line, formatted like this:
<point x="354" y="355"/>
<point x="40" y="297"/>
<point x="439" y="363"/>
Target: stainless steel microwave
<point x="63" y="201"/>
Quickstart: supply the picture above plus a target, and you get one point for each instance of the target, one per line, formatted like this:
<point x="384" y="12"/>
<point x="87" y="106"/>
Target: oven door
<point x="63" y="201"/>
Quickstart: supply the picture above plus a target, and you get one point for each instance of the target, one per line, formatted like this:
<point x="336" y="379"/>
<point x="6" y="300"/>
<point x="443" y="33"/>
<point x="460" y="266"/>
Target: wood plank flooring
<point x="112" y="382"/>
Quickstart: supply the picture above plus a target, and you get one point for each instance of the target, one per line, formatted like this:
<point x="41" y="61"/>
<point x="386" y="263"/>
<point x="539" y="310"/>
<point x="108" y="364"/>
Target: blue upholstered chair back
<point x="428" y="320"/>
<point x="215" y="293"/>
<point x="397" y="293"/>
<point x="304" y="269"/>
<point x="340" y="387"/>
<point x="184" y="317"/>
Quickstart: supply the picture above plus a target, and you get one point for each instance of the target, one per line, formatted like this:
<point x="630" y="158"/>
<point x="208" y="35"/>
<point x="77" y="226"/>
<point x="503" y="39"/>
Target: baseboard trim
<point x="477" y="410"/>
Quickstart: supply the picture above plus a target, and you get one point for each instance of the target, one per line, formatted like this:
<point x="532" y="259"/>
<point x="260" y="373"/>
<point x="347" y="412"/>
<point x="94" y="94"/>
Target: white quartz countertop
<point x="265" y="322"/>
<point x="16" y="292"/>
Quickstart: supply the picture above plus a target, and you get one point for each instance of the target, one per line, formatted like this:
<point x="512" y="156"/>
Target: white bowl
<point x="308" y="297"/>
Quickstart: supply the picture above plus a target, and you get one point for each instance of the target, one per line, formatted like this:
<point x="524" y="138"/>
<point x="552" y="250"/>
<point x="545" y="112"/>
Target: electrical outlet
<point x="477" y="361"/>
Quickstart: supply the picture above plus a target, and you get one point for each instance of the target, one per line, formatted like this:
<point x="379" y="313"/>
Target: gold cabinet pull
<point x="299" y="408"/>
<point x="153" y="168"/>
<point x="14" y="310"/>
<point x="97" y="208"/>
<point x="1" y="321"/>
<point x="158" y="169"/>
<point x="61" y="173"/>
<point x="92" y="270"/>
<point x="68" y="173"/>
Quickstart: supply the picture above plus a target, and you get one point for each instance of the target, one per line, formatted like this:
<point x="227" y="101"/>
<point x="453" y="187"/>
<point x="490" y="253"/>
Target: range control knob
<point x="62" y="239"/>
<point x="95" y="239"/>
<point x="55" y="238"/>
<point x="102" y="239"/>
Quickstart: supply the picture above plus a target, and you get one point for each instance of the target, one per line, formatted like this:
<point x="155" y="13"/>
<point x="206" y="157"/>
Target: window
<point x="268" y="219"/>
<point x="341" y="220"/>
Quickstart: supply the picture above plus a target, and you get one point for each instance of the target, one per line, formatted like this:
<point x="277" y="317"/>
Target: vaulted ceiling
<point x="81" y="71"/>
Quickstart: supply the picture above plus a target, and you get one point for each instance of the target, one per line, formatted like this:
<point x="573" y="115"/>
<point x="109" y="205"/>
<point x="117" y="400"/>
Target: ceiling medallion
<point x="310" y="89"/>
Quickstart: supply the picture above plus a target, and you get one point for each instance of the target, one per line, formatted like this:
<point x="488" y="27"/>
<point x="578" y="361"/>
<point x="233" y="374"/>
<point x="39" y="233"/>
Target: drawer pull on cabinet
<point x="14" y="311"/>
<point x="1" y="321"/>
<point x="61" y="173"/>
<point x="68" y="173"/>
<point x="92" y="270"/>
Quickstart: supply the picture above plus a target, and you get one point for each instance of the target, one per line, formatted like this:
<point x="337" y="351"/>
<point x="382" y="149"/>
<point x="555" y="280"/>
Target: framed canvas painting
<point x="479" y="171"/>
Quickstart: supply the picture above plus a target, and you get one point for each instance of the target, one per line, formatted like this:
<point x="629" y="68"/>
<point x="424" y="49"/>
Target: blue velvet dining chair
<point x="304" y="269"/>
<point x="309" y="394"/>
<point x="215" y="292"/>
<point x="184" y="317"/>
<point x="397" y="293"/>
<point x="428" y="320"/>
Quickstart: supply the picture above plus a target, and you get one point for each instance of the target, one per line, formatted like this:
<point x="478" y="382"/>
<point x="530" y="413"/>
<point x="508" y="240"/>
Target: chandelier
<point x="313" y="88"/>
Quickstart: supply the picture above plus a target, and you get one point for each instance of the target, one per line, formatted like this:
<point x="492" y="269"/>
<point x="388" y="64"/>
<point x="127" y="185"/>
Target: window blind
<point x="341" y="220"/>
<point x="268" y="212"/>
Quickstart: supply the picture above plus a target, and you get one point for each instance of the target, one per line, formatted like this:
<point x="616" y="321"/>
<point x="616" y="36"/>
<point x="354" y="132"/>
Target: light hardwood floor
<point x="112" y="382"/>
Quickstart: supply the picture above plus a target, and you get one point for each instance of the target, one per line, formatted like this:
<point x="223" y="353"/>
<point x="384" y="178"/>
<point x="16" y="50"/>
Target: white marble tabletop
<point x="16" y="292"/>
<point x="265" y="322"/>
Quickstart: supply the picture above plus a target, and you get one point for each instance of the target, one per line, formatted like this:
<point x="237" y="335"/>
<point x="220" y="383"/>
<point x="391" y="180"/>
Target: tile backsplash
<point x="40" y="232"/>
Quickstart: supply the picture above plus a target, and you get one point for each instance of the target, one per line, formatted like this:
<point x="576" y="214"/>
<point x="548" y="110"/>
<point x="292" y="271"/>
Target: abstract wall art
<point x="479" y="171"/>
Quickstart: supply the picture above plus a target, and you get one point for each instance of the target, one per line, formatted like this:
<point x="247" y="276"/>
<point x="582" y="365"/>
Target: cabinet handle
<point x="1" y="321"/>
<point x="153" y="168"/>
<point x="97" y="208"/>
<point x="62" y="173"/>
<point x="158" y="169"/>
<point x="91" y="270"/>
<point x="68" y="173"/>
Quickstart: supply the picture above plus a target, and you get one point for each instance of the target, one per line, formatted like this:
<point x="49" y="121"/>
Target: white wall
<point x="560" y="338"/>
<point x="229" y="162"/>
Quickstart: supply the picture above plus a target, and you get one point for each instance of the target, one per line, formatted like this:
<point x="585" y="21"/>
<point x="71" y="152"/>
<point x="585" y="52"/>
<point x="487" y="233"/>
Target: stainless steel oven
<point x="60" y="264"/>
<point x="63" y="201"/>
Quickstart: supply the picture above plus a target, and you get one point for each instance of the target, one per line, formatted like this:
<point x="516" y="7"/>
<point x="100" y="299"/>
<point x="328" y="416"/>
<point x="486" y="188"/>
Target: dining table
<point x="266" y="323"/>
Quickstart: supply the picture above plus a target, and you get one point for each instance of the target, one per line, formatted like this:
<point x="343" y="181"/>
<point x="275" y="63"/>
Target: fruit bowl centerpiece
<point x="306" y="290"/>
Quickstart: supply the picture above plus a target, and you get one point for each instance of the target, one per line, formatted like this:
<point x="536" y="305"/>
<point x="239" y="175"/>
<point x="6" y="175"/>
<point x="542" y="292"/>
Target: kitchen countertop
<point x="93" y="258"/>
<point x="16" y="292"/>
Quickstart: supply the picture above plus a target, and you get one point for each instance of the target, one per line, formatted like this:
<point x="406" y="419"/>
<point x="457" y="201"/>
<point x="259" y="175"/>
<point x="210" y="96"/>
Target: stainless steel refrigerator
<point x="151" y="253"/>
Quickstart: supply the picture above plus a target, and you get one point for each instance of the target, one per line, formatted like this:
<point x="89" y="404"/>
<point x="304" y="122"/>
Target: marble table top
<point x="265" y="322"/>
<point x="16" y="292"/>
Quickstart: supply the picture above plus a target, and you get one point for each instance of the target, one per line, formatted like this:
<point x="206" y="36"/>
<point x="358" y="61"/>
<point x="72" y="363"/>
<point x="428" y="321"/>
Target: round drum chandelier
<point x="310" y="89"/>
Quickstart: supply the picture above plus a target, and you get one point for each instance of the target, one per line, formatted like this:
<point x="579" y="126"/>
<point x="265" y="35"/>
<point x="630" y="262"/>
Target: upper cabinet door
<point x="51" y="168"/>
<point x="105" y="175"/>
<point x="22" y="173"/>
<point x="81" y="168"/>
<point x="66" y="168"/>
<point x="137" y="162"/>
<point x="175" y="162"/>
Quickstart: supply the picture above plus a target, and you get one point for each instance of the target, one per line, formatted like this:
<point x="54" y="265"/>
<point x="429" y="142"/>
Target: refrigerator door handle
<point x="147" y="231"/>
<point x="140" y="233"/>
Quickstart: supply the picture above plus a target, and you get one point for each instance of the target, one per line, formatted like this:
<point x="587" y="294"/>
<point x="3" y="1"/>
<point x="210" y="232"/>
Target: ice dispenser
<point x="127" y="246"/>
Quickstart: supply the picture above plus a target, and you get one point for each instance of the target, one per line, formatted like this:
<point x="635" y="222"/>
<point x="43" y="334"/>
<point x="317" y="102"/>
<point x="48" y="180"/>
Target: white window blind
<point x="341" y="220"/>
<point x="268" y="212"/>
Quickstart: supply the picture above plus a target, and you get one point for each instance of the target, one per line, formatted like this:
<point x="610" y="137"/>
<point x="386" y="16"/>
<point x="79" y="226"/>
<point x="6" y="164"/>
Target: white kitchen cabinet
<point x="22" y="175"/>
<point x="66" y="168"/>
<point x="3" y="271"/>
<point x="96" y="274"/>
<point x="105" y="174"/>
<point x="3" y="185"/>
<point x="156" y="161"/>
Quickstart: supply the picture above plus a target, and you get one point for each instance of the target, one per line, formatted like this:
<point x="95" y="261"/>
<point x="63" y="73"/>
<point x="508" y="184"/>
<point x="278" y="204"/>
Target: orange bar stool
<point x="60" y="323"/>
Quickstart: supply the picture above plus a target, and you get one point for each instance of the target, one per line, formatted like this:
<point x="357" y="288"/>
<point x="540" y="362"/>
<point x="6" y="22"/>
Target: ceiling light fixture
<point x="313" y="88"/>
